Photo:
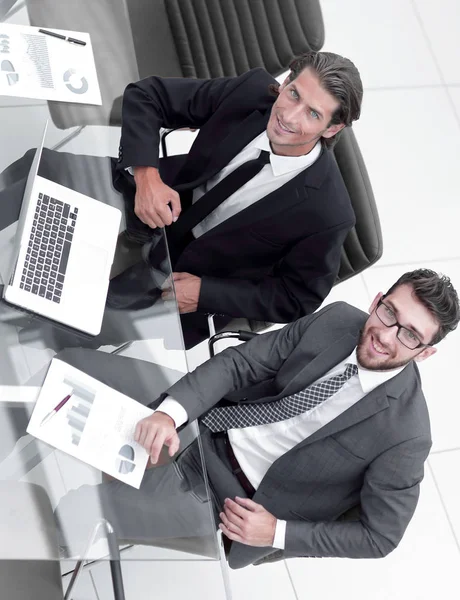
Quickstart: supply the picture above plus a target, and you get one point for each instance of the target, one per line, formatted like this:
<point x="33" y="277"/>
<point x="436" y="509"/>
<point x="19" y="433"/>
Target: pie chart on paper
<point x="125" y="460"/>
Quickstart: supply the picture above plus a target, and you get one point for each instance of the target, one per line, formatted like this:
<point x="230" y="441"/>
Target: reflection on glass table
<point x="147" y="516"/>
<point x="60" y="507"/>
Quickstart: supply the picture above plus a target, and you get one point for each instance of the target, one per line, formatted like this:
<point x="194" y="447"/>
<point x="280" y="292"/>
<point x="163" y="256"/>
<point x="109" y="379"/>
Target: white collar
<point x="286" y="164"/>
<point x="370" y="379"/>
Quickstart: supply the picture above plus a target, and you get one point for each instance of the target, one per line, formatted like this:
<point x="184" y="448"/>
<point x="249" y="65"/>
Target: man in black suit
<point x="270" y="251"/>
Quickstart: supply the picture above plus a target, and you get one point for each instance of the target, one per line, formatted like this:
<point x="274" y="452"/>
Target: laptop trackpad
<point x="92" y="262"/>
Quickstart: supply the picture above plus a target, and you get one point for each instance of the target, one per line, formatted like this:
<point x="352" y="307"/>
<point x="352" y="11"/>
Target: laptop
<point x="63" y="252"/>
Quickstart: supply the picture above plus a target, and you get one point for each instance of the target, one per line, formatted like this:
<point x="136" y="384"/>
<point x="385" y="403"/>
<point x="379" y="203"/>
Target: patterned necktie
<point x="220" y="192"/>
<point x="249" y="415"/>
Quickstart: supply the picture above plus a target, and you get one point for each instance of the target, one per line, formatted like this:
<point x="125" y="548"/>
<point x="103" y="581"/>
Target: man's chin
<point x="374" y="363"/>
<point x="371" y="363"/>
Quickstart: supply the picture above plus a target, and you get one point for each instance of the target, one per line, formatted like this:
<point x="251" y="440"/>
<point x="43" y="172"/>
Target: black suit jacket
<point x="275" y="260"/>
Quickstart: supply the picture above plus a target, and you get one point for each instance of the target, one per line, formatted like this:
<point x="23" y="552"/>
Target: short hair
<point x="436" y="292"/>
<point x="340" y="78"/>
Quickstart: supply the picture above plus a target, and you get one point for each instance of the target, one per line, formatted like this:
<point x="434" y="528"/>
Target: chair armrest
<point x="243" y="336"/>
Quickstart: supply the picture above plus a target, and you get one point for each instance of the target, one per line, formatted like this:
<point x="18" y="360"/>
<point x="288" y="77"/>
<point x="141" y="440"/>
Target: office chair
<point x="133" y="39"/>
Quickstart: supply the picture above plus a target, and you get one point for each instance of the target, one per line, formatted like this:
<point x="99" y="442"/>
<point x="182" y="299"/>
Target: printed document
<point x="96" y="424"/>
<point x="46" y="67"/>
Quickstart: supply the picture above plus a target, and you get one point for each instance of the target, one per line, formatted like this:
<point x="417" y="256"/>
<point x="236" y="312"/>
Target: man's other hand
<point x="187" y="288"/>
<point x="151" y="203"/>
<point x="247" y="522"/>
<point x="156" y="431"/>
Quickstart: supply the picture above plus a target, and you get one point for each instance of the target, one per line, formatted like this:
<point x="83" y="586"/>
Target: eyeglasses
<point x="407" y="337"/>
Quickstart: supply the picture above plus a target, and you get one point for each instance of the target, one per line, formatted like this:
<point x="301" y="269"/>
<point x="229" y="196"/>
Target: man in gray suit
<point x="319" y="449"/>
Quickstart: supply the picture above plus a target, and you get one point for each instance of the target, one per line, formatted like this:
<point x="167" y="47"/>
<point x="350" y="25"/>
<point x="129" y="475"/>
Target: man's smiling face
<point x="379" y="347"/>
<point x="301" y="115"/>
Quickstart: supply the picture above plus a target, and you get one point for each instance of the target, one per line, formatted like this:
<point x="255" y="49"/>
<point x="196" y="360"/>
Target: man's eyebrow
<point x="320" y="114"/>
<point x="412" y="327"/>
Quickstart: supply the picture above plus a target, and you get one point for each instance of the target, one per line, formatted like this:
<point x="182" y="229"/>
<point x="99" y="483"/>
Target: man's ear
<point x="425" y="354"/>
<point x="373" y="306"/>
<point x="332" y="130"/>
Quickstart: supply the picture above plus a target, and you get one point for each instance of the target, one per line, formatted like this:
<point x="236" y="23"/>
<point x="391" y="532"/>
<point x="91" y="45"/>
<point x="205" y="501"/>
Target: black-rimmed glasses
<point x="407" y="337"/>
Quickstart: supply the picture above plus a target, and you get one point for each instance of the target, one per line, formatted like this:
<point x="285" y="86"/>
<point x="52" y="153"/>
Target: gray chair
<point x="133" y="39"/>
<point x="363" y="246"/>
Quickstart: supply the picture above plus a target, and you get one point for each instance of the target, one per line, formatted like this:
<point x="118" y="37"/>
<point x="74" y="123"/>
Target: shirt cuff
<point x="130" y="170"/>
<point x="174" y="410"/>
<point x="280" y="534"/>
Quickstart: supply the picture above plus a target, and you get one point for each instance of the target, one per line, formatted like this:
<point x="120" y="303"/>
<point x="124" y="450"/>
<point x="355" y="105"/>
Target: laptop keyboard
<point x="48" y="250"/>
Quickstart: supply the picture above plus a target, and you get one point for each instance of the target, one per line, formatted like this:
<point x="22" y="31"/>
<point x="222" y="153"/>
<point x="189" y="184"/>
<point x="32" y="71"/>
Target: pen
<point x="51" y="414"/>
<point x="62" y="37"/>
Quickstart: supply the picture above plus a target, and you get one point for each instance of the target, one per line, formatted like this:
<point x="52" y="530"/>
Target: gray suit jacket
<point x="371" y="456"/>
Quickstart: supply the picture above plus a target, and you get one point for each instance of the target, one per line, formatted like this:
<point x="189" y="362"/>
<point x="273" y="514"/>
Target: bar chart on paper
<point x="79" y="411"/>
<point x="95" y="423"/>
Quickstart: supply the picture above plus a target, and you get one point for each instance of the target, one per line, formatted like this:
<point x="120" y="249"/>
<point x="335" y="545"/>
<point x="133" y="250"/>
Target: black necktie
<point x="220" y="192"/>
<point x="250" y="415"/>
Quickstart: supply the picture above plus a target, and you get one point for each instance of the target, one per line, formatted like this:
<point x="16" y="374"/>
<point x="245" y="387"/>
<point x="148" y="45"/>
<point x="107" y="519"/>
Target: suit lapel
<point x="235" y="140"/>
<point x="368" y="406"/>
<point x="320" y="364"/>
<point x="313" y="369"/>
<point x="288" y="195"/>
<point x="374" y="402"/>
<point x="371" y="404"/>
<point x="283" y="198"/>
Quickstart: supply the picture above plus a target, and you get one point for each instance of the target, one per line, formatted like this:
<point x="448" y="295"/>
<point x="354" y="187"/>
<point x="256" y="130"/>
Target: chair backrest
<point x="133" y="39"/>
<point x="216" y="38"/>
<point x="363" y="246"/>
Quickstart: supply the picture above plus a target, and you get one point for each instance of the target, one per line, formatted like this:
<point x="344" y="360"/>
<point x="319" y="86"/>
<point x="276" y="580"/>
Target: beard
<point x="386" y="362"/>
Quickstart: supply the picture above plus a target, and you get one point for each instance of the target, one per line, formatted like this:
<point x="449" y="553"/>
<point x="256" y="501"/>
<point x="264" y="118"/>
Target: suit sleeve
<point x="297" y="287"/>
<point x="388" y="500"/>
<point x="237" y="368"/>
<point x="157" y="102"/>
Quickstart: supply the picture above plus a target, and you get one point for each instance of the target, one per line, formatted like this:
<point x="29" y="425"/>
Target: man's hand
<point x="154" y="432"/>
<point x="152" y="198"/>
<point x="187" y="288"/>
<point x="245" y="521"/>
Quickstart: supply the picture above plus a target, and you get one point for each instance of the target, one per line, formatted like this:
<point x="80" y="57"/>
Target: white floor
<point x="409" y="133"/>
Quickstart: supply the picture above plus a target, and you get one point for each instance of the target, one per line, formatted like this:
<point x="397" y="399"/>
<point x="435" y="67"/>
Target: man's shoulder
<point x="334" y="321"/>
<point x="343" y="313"/>
<point x="257" y="76"/>
<point x="253" y="89"/>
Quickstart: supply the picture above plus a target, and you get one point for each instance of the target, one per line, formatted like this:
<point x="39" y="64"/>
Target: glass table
<point x="34" y="476"/>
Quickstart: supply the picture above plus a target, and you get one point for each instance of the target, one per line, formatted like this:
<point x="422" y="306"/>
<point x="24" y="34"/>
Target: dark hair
<point x="437" y="294"/>
<point x="338" y="76"/>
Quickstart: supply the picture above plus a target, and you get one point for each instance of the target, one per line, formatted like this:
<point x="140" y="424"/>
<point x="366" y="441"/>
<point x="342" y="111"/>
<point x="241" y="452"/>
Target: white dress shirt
<point x="256" y="448"/>
<point x="273" y="175"/>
